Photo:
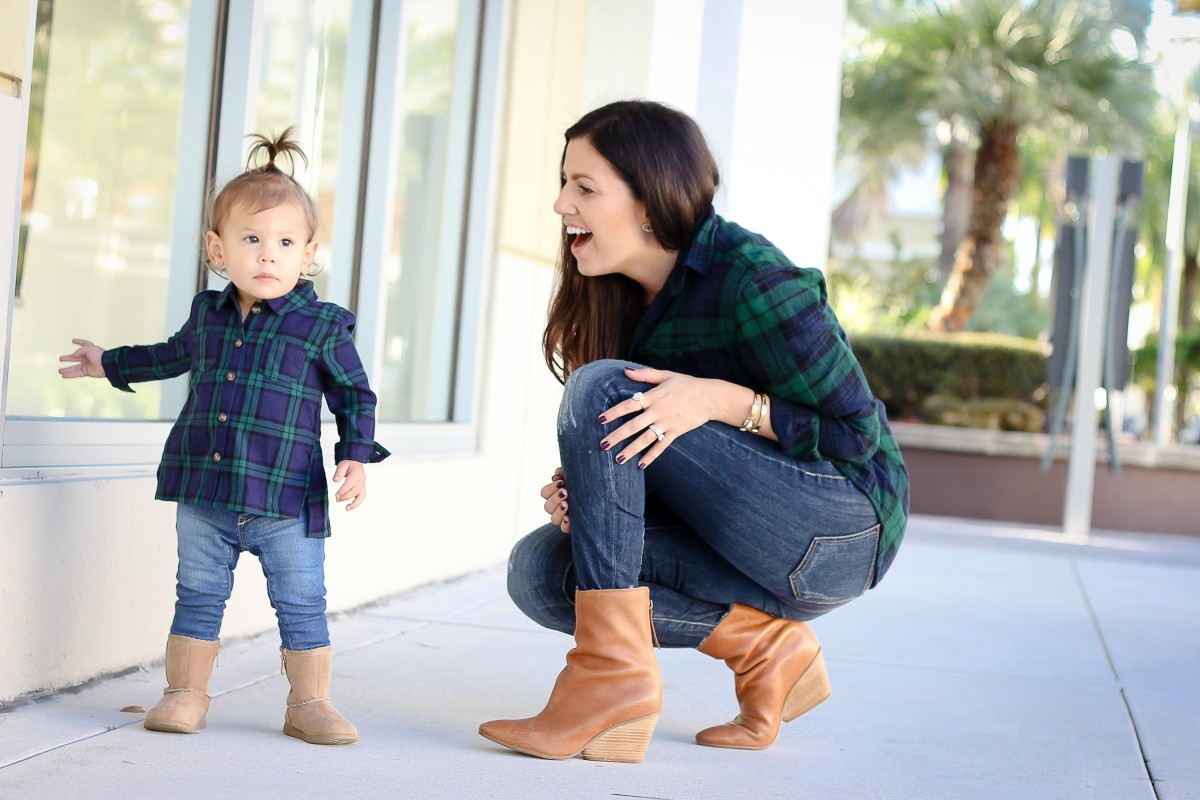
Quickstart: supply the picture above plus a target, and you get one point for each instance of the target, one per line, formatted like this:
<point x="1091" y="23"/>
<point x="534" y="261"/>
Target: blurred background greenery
<point x="958" y="117"/>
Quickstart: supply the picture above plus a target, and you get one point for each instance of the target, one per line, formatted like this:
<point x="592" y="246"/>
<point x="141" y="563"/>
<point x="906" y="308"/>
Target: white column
<point x="717" y="87"/>
<point x="763" y="79"/>
<point x="785" y="137"/>
<point x="675" y="67"/>
<point x="1093" y="312"/>
<point x="1164" y="393"/>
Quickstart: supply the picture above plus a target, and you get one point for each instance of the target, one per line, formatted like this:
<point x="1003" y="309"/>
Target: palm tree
<point x="1005" y="67"/>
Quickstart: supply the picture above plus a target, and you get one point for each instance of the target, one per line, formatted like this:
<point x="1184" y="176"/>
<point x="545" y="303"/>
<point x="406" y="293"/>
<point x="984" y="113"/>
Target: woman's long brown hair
<point x="663" y="158"/>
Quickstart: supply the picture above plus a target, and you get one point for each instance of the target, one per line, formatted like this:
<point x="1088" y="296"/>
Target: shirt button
<point x="238" y="343"/>
<point x="230" y="376"/>
<point x="254" y="309"/>
<point x="222" y="417"/>
<point x="216" y="456"/>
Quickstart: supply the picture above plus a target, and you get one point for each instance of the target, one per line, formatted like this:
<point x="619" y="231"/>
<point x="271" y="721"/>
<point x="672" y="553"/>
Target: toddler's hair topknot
<point x="284" y="145"/>
<point x="265" y="185"/>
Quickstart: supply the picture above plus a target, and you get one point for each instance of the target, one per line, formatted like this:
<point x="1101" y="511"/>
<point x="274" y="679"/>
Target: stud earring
<point x="647" y="228"/>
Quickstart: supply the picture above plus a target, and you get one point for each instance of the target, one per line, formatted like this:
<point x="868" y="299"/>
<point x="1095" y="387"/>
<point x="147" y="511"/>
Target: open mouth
<point x="582" y="237"/>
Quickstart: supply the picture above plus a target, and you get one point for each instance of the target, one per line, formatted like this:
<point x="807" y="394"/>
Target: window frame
<point x="70" y="449"/>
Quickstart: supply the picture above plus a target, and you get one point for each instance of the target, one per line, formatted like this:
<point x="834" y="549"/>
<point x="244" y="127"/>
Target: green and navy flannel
<point x="736" y="308"/>
<point x="249" y="436"/>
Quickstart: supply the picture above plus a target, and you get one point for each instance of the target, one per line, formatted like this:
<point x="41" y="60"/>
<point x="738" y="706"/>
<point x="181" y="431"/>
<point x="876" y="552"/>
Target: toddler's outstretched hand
<point x="88" y="363"/>
<point x="353" y="478"/>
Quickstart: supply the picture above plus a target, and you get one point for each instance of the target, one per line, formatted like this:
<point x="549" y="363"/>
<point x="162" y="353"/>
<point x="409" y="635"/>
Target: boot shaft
<point x="310" y="672"/>
<point x="746" y="636"/>
<point x="190" y="662"/>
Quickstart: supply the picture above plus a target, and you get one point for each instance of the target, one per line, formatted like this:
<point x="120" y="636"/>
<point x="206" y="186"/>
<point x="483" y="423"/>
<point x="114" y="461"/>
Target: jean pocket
<point x="836" y="569"/>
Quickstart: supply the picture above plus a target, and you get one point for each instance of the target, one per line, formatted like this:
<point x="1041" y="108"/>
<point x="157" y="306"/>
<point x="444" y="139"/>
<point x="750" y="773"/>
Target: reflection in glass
<point x="422" y="272"/>
<point x="303" y="72"/>
<point x="96" y="215"/>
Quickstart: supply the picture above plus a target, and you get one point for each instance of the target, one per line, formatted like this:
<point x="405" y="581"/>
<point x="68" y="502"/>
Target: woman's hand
<point x="555" y="495"/>
<point x="677" y="404"/>
<point x="87" y="358"/>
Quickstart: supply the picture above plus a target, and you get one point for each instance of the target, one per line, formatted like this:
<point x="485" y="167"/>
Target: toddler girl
<point x="243" y="460"/>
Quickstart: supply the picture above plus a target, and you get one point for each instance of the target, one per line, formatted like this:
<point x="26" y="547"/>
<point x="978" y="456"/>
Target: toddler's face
<point x="264" y="253"/>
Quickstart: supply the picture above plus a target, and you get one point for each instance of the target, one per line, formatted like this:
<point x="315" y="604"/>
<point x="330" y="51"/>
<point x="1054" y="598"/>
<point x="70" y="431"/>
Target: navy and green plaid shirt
<point x="737" y="309"/>
<point x="249" y="436"/>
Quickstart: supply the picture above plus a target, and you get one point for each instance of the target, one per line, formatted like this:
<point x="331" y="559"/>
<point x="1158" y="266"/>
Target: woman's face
<point x="602" y="217"/>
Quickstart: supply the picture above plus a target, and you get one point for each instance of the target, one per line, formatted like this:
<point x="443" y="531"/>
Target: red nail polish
<point x="563" y="495"/>
<point x="602" y="419"/>
<point x="642" y="465"/>
<point x="559" y="485"/>
<point x="620" y="459"/>
<point x="605" y="445"/>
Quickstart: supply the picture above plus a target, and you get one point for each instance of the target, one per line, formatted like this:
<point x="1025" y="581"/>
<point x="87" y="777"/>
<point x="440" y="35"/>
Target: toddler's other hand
<point x="353" y="478"/>
<point x="87" y="358"/>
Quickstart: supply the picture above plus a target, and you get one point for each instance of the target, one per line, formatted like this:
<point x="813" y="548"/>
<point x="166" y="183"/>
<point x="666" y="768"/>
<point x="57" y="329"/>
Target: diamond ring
<point x="658" y="432"/>
<point x="641" y="398"/>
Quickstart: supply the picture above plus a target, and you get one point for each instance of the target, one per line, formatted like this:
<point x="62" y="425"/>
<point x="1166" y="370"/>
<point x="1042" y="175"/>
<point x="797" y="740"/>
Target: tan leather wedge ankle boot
<point x="779" y="673"/>
<point x="606" y="701"/>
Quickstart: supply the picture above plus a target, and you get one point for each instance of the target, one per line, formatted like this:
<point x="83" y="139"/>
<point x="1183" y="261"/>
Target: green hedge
<point x="1145" y="358"/>
<point x="905" y="372"/>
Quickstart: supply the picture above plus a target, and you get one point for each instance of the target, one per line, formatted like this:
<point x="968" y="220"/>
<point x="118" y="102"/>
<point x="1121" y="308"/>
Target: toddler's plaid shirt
<point x="249" y="436"/>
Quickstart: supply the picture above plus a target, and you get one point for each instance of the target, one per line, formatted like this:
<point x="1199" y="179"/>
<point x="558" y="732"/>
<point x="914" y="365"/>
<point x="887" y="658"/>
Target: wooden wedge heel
<point x="626" y="743"/>
<point x="809" y="691"/>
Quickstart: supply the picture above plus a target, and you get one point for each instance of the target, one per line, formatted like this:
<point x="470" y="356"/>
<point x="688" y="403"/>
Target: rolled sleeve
<point x="156" y="362"/>
<point x="821" y="406"/>
<point x="349" y="396"/>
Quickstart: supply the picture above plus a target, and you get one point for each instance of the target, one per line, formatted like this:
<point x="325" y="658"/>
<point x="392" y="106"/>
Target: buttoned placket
<point x="230" y="398"/>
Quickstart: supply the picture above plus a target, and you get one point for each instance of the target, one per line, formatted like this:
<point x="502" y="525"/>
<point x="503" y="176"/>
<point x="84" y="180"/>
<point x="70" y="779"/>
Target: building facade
<point x="434" y="131"/>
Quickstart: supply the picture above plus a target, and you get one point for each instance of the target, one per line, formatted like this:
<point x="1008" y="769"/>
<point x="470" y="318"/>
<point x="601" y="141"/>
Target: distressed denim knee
<point x="607" y="499"/>
<point x="593" y="388"/>
<point x="541" y="578"/>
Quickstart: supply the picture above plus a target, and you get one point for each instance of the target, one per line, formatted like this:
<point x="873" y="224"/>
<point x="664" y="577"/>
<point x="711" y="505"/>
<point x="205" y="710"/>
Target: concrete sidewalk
<point x="993" y="662"/>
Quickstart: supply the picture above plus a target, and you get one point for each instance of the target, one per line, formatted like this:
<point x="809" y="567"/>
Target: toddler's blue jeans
<point x="721" y="517"/>
<point x="210" y="541"/>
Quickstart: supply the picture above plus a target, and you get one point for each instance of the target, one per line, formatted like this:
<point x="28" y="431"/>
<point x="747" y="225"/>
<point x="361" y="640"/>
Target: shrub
<point x="906" y="371"/>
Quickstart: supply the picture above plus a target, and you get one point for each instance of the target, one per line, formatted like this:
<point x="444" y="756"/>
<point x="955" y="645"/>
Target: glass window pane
<point x="422" y="270"/>
<point x="302" y="82"/>
<point x="102" y="164"/>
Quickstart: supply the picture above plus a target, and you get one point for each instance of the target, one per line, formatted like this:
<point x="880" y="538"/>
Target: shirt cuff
<point x="364" y="452"/>
<point x="111" y="371"/>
